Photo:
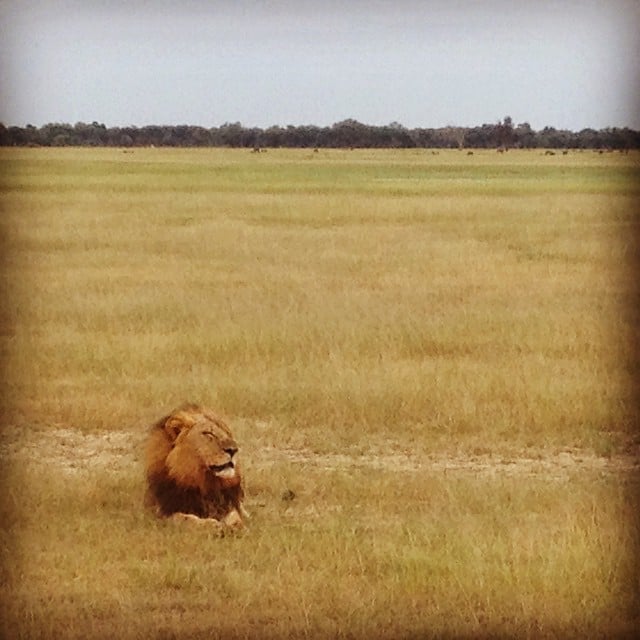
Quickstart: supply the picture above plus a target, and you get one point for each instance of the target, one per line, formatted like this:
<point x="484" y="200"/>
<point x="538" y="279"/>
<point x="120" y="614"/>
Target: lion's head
<point x="192" y="466"/>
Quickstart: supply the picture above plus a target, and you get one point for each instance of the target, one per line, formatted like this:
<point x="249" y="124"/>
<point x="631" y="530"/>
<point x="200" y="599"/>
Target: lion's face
<point x="203" y="448"/>
<point x="212" y="445"/>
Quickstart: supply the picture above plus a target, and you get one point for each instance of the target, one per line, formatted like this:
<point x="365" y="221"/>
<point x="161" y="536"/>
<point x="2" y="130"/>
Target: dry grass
<point x="357" y="552"/>
<point x="351" y="305"/>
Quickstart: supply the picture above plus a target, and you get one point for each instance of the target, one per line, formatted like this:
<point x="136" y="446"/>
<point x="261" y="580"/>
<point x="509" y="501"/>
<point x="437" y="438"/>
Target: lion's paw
<point x="233" y="519"/>
<point x="190" y="517"/>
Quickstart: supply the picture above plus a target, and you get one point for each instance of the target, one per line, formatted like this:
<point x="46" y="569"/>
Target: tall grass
<point x="345" y="293"/>
<point x="353" y="303"/>
<point x="354" y="555"/>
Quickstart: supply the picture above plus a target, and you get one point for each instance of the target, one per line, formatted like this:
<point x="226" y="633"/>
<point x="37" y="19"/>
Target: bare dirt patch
<point x="71" y="452"/>
<point x="559" y="465"/>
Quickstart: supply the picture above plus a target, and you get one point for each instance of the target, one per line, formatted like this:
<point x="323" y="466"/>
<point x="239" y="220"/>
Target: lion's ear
<point x="174" y="425"/>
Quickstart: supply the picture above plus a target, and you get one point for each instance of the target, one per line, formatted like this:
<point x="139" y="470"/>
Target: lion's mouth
<point x="222" y="469"/>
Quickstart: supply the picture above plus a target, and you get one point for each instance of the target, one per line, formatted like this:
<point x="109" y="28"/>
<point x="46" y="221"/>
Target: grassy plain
<point x="390" y="333"/>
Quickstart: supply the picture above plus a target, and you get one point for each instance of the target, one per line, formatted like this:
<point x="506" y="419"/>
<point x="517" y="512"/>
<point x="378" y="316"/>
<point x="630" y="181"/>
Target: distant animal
<point x="192" y="469"/>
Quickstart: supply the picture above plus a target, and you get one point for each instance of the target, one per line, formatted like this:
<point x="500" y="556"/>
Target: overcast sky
<point x="424" y="63"/>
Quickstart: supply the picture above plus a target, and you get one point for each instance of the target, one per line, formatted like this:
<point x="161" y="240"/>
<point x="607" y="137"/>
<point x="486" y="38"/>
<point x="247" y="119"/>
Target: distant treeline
<point x="345" y="134"/>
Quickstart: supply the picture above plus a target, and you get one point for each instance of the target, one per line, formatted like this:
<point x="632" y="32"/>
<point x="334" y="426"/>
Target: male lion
<point x="192" y="471"/>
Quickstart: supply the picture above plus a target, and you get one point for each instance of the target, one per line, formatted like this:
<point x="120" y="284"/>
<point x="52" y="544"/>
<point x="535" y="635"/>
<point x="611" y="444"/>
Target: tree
<point x="273" y="137"/>
<point x="504" y="133"/>
<point x="524" y="136"/>
<point x="89" y="134"/>
<point x="349" y="133"/>
<point x="230" y="135"/>
<point x="485" y="137"/>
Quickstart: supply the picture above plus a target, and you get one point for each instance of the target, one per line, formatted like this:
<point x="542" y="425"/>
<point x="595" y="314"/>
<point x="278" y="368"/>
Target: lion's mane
<point x="191" y="467"/>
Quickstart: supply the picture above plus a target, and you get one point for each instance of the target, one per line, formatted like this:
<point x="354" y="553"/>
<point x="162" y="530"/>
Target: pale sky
<point x="424" y="63"/>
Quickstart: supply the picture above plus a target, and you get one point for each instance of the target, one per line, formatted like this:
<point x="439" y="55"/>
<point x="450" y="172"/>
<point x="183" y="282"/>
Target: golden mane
<point x="192" y="468"/>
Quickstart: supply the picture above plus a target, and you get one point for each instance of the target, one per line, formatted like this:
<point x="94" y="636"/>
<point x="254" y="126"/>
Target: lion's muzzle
<point x="226" y="470"/>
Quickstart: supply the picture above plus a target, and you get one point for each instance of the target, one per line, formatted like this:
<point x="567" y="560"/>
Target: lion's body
<point x="191" y="468"/>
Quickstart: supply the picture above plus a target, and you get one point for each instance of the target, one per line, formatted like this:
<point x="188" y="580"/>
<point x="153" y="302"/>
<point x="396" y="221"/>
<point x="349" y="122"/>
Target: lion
<point x="192" y="469"/>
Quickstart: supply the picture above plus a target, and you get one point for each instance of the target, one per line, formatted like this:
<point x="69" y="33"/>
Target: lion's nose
<point x="231" y="450"/>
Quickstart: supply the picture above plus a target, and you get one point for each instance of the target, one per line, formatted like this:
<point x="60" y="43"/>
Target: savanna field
<point x="429" y="361"/>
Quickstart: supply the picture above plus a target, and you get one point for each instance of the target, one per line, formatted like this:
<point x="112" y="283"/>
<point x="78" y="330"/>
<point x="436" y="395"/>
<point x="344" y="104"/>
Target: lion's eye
<point x="209" y="434"/>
